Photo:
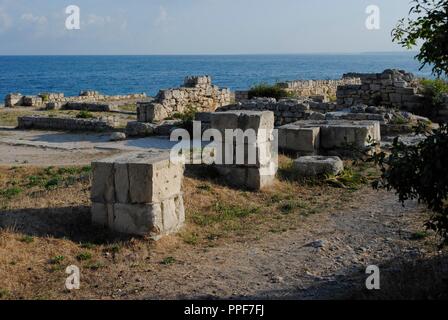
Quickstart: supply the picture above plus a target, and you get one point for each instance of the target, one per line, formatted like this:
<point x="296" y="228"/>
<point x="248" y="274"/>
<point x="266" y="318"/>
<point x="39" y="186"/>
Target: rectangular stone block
<point x="302" y="140"/>
<point x="252" y="154"/>
<point x="249" y="177"/>
<point x="103" y="185"/>
<point x="153" y="178"/>
<point x="261" y="122"/>
<point x="136" y="178"/>
<point x="154" y="219"/>
<point x="336" y="134"/>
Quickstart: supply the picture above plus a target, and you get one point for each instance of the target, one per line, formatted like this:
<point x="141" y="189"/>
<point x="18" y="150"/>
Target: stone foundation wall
<point x="392" y="88"/>
<point x="197" y="92"/>
<point x="309" y="88"/>
<point x="67" y="124"/>
<point x="285" y="110"/>
<point x="58" y="99"/>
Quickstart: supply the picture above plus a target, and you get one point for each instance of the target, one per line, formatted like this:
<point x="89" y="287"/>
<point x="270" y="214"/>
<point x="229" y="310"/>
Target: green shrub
<point x="10" y="193"/>
<point x="433" y="91"/>
<point x="45" y="97"/>
<point x="83" y="114"/>
<point x="419" y="172"/>
<point x="265" y="90"/>
<point x="187" y="117"/>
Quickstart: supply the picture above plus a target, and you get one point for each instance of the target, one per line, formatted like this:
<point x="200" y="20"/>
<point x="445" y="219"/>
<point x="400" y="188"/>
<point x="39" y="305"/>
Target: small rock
<point x="117" y="136"/>
<point x="316" y="244"/>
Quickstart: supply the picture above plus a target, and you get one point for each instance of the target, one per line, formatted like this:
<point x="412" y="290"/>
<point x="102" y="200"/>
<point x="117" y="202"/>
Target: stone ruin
<point x="138" y="194"/>
<point x="65" y="123"/>
<point x="308" y="137"/>
<point x="394" y="88"/>
<point x="285" y="110"/>
<point x="255" y="175"/>
<point x="197" y="93"/>
<point x="59" y="101"/>
<point x="325" y="89"/>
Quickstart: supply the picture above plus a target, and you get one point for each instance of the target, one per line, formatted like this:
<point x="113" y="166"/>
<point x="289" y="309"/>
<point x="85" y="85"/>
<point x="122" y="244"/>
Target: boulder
<point x="311" y="166"/>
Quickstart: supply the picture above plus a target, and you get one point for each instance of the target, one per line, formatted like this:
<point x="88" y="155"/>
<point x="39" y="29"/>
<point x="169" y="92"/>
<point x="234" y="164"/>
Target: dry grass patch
<point x="45" y="227"/>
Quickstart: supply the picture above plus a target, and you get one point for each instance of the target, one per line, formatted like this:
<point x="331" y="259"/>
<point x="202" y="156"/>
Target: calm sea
<point x="135" y="74"/>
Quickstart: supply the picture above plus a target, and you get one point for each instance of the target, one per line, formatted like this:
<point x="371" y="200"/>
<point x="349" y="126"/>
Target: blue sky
<point x="197" y="26"/>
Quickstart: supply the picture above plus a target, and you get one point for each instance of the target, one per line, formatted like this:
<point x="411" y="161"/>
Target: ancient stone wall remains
<point x="392" y="88"/>
<point x="67" y="124"/>
<point x="285" y="110"/>
<point x="58" y="100"/>
<point x="309" y="88"/>
<point x="197" y="93"/>
<point x="138" y="194"/>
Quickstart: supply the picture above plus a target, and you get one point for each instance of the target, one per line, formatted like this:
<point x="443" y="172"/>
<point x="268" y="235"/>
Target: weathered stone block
<point x="335" y="134"/>
<point x="153" y="219"/>
<point x="138" y="193"/>
<point x="246" y="154"/>
<point x="249" y="177"/>
<point x="261" y="122"/>
<point x="103" y="189"/>
<point x="303" y="140"/>
<point x="139" y="129"/>
<point x="13" y="99"/>
<point x="318" y="165"/>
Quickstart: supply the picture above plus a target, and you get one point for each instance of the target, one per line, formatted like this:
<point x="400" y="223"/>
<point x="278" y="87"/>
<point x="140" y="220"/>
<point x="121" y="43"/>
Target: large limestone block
<point x="251" y="178"/>
<point x="103" y="181"/>
<point x="247" y="154"/>
<point x="336" y="134"/>
<point x="311" y="166"/>
<point x="261" y="122"/>
<point x="153" y="179"/>
<point x="142" y="177"/>
<point x="302" y="140"/>
<point x="151" y="112"/>
<point x="152" y="219"/>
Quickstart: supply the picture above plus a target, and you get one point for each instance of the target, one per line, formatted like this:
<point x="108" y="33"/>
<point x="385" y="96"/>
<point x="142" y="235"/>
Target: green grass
<point x="10" y="193"/>
<point x="4" y="293"/>
<point x="27" y="239"/>
<point x="420" y="235"/>
<point x="168" y="261"/>
<point x="57" y="260"/>
<point x="190" y="238"/>
<point x="223" y="213"/>
<point x="348" y="179"/>
<point x="83" y="114"/>
<point x="84" y="256"/>
<point x="51" y="178"/>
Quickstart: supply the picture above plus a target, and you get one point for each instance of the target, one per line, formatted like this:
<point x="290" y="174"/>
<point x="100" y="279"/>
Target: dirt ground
<point x="297" y="240"/>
